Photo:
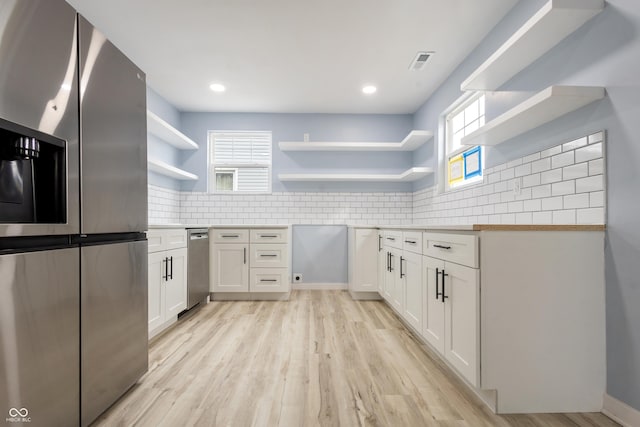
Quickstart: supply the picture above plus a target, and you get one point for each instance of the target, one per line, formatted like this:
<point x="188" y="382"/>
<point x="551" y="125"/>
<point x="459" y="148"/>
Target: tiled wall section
<point x="279" y="208"/>
<point x="164" y="205"/>
<point x="561" y="185"/>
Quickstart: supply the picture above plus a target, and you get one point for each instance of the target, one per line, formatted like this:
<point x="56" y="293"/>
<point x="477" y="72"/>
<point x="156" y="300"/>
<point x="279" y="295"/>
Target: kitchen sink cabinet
<point x="363" y="270"/>
<point x="167" y="278"/>
<point x="230" y="267"/>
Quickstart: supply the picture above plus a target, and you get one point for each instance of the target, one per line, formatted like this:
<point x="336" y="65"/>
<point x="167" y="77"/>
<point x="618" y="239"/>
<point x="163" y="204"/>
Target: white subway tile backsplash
<point x="531" y="180"/>
<point x="524" y="218"/>
<point x="543" y="218"/>
<point x="596" y="199"/>
<point x="572" y="145"/>
<point x="596" y="137"/>
<point x="564" y="159"/>
<point x="541" y="165"/>
<point x="530" y="158"/>
<point x="579" y="170"/>
<point x="589" y="152"/>
<point x="523" y="170"/>
<point x="596" y="167"/>
<point x="552" y="203"/>
<point x="532" y="205"/>
<point x="567" y="216"/>
<point x="574" y="201"/>
<point x="592" y="183"/>
<point x="554" y="175"/>
<point x="590" y="216"/>
<point x="541" y="191"/>
<point x="551" y="151"/>
<point x="564" y="187"/>
<point x="507" y="174"/>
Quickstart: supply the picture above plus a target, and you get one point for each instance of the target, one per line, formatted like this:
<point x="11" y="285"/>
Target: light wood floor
<point x="320" y="359"/>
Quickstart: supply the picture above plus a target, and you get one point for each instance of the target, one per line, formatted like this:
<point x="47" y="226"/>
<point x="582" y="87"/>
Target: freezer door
<point x="39" y="90"/>
<point x="114" y="340"/>
<point x="39" y="337"/>
<point x="113" y="136"/>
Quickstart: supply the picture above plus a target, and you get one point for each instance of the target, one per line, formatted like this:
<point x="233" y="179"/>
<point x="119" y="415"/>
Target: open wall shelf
<point x="406" y="176"/>
<point x="170" y="171"/>
<point x="543" y="107"/>
<point x="163" y="130"/>
<point x="414" y="140"/>
<point x="550" y="25"/>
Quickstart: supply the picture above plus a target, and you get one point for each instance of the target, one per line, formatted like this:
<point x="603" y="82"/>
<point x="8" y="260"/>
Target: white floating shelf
<point x="543" y="107"/>
<point x="406" y="176"/>
<point x="415" y="139"/>
<point x="170" y="171"/>
<point x="168" y="133"/>
<point x="550" y="25"/>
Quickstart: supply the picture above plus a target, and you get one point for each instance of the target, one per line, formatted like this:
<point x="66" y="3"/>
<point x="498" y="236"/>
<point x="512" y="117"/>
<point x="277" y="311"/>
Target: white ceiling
<point x="296" y="56"/>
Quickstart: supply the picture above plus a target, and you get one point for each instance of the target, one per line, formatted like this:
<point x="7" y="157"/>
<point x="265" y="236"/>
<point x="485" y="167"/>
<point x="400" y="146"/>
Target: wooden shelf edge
<point x="166" y="169"/>
<point x="543" y="107"/>
<point x="544" y="30"/>
<point x="414" y="140"/>
<point x="406" y="176"/>
<point x="163" y="130"/>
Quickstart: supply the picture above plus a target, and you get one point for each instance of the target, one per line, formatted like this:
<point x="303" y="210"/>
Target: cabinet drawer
<point x="392" y="238"/>
<point x="229" y="235"/>
<point x="412" y="241"/>
<point x="458" y="248"/>
<point x="269" y="280"/>
<point x="268" y="236"/>
<point x="269" y="255"/>
<point x="165" y="239"/>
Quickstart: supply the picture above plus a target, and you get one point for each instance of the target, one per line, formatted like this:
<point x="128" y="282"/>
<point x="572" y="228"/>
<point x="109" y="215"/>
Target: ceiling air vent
<point x="419" y="61"/>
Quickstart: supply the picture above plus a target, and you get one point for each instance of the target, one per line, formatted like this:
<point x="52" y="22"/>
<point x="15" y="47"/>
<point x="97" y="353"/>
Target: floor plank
<point x="320" y="359"/>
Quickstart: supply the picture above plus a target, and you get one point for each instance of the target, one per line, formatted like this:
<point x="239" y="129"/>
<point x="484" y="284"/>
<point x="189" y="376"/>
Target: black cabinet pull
<point x="268" y="236"/>
<point x="171" y="275"/>
<point x="268" y="255"/>
<point x="401" y="273"/>
<point x="413" y="242"/>
<point x="230" y="235"/>
<point x="442" y="247"/>
<point x="437" y="291"/>
<point x="164" y="261"/>
<point x="379" y="243"/>
<point x="268" y="280"/>
<point x="393" y="239"/>
<point x="444" y="297"/>
<point x="391" y="262"/>
<point x="244" y="255"/>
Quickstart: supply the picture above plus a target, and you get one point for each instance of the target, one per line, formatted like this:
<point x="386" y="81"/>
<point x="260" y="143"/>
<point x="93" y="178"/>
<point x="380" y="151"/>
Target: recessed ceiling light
<point x="369" y="89"/>
<point x="217" y="87"/>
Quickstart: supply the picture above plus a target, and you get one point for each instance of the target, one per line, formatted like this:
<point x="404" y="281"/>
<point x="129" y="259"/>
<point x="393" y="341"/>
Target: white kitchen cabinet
<point x="167" y="294"/>
<point x="363" y="268"/>
<point x="410" y="278"/>
<point x="230" y="267"/>
<point x="250" y="263"/>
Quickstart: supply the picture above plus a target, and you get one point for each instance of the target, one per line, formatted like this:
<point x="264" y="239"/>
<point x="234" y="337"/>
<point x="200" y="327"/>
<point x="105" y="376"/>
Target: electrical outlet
<point x="517" y="187"/>
<point x="297" y="278"/>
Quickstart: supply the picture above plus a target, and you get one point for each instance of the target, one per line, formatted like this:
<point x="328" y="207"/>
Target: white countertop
<point x="175" y="225"/>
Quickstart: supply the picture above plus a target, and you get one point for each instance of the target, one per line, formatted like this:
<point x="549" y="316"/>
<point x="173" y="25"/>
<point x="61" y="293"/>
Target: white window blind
<point x="240" y="161"/>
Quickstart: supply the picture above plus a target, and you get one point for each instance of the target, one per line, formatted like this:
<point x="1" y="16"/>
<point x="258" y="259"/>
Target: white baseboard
<point x="620" y="412"/>
<point x="320" y="286"/>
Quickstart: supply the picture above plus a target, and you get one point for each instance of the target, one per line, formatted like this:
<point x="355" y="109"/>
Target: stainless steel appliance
<point x="73" y="211"/>
<point x="197" y="266"/>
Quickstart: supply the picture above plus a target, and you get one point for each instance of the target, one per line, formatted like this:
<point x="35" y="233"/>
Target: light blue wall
<point x="604" y="52"/>
<point x="158" y="149"/>
<point x="321" y="127"/>
<point x="320" y="253"/>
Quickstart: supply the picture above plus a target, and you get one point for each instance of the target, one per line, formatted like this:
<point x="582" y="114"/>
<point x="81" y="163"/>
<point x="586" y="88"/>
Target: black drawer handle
<point x="391" y="256"/>
<point x="442" y="247"/>
<point x="268" y="280"/>
<point x="268" y="255"/>
<point x="379" y="243"/>
<point x="413" y="242"/>
<point x="393" y="239"/>
<point x="230" y="235"/>
<point x="268" y="236"/>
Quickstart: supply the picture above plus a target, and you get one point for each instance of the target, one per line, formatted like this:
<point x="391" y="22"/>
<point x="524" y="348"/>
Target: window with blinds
<point x="240" y="161"/>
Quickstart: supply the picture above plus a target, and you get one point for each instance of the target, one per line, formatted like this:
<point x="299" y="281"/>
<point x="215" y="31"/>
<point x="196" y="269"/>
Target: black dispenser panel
<point x="33" y="176"/>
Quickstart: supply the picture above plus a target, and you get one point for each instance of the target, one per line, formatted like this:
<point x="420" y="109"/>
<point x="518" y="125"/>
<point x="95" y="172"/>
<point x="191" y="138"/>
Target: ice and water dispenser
<point x="33" y="177"/>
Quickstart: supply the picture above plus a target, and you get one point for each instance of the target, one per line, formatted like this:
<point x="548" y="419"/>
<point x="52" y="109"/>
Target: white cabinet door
<point x="365" y="271"/>
<point x="389" y="275"/>
<point x="412" y="284"/>
<point x="231" y="268"/>
<point x="461" y="289"/>
<point x="176" y="286"/>
<point x="156" y="291"/>
<point x="397" y="292"/>
<point x="432" y="305"/>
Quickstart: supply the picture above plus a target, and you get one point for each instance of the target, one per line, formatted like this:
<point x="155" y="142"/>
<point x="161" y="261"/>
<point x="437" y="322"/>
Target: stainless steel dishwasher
<point x="197" y="266"/>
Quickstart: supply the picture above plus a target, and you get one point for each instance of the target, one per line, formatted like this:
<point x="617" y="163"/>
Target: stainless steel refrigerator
<point x="73" y="211"/>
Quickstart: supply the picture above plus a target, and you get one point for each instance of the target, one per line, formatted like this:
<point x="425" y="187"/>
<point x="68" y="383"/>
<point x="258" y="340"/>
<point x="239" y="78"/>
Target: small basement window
<point x="464" y="163"/>
<point x="240" y="161"/>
